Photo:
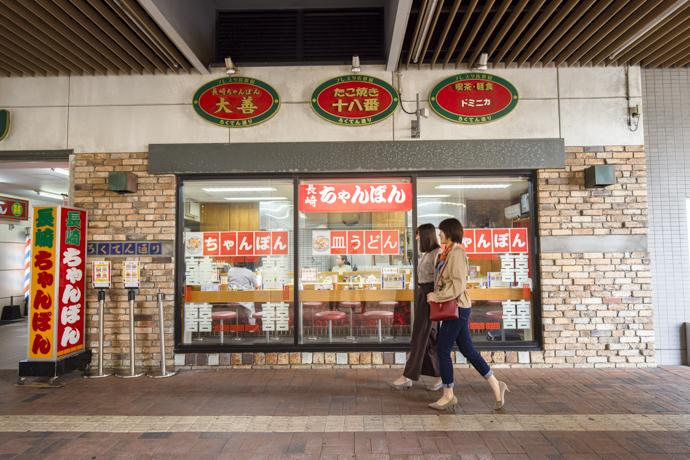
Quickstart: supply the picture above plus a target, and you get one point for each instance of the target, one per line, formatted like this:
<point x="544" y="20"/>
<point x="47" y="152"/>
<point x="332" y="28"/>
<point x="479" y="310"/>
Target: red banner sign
<point x="13" y="208"/>
<point x="352" y="197"/>
<point x="354" y="100"/>
<point x="72" y="281"/>
<point x="232" y="244"/>
<point x="236" y="102"/>
<point x="495" y="240"/>
<point x="370" y="242"/>
<point x="473" y="98"/>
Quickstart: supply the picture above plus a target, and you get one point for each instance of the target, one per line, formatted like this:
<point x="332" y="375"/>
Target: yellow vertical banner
<point x="43" y="285"/>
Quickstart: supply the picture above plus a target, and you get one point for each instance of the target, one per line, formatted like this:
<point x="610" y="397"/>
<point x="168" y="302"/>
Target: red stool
<point x="350" y="306"/>
<point x="223" y="316"/>
<point x="310" y="307"/>
<point x="379" y="316"/>
<point x="330" y="316"/>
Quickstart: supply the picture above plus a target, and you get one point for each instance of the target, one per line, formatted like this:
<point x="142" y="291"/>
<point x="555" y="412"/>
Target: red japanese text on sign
<point x="72" y="279"/>
<point x="247" y="243"/>
<point x="354" y="197"/>
<point x="495" y="240"/>
<point x="370" y="242"/>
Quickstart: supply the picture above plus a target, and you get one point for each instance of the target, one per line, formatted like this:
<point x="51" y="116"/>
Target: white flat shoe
<point x="401" y="386"/>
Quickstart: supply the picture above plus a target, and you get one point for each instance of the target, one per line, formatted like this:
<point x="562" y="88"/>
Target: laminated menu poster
<point x="392" y="278"/>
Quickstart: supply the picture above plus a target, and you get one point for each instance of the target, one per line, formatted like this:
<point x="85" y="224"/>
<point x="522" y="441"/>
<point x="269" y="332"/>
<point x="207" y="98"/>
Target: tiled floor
<point x="343" y="413"/>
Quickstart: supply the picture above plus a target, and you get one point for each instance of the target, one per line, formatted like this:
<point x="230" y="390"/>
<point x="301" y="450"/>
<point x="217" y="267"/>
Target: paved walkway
<point x="343" y="413"/>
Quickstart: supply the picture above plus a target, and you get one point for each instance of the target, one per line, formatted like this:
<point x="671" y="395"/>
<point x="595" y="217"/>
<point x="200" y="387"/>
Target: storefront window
<point x="238" y="262"/>
<point x="355" y="246"/>
<point x="496" y="214"/>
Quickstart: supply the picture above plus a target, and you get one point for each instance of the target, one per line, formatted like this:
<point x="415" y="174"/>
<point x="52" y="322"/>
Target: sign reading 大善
<point x="236" y="102"/>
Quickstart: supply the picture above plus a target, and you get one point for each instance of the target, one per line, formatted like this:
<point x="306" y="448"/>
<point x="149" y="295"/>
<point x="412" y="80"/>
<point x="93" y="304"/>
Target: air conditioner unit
<point x="513" y="212"/>
<point x="192" y="211"/>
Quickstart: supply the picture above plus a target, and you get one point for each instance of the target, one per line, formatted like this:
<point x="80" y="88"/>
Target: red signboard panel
<point x="13" y="208"/>
<point x="71" y="310"/>
<point x="355" y="197"/>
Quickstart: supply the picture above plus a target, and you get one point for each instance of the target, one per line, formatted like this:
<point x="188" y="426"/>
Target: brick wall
<point x="148" y="214"/>
<point x="596" y="306"/>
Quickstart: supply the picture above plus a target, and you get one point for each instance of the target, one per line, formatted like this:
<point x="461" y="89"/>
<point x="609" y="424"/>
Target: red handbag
<point x="443" y="311"/>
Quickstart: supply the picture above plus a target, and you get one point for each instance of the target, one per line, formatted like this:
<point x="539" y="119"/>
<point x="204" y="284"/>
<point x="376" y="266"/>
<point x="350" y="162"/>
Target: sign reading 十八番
<point x="58" y="283"/>
<point x="354" y="100"/>
<point x="236" y="102"/>
<point x="471" y="98"/>
<point x="4" y="123"/>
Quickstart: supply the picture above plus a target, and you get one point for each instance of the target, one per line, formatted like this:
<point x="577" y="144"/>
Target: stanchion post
<point x="161" y="325"/>
<point x="101" y="311"/>
<point x="132" y="344"/>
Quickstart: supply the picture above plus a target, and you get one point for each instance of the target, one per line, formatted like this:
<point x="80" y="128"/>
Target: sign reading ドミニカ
<point x="236" y="102"/>
<point x="4" y="123"/>
<point x="354" y="100"/>
<point x="475" y="97"/>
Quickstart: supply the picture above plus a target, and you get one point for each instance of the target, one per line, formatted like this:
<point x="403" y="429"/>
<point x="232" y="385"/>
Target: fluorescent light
<point x="61" y="171"/>
<point x="255" y="198"/>
<point x="239" y="189"/>
<point x="55" y="196"/>
<point x="433" y="196"/>
<point x="471" y="186"/>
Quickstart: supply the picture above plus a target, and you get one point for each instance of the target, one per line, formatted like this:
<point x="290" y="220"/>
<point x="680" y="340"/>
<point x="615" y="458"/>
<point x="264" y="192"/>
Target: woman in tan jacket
<point x="451" y="283"/>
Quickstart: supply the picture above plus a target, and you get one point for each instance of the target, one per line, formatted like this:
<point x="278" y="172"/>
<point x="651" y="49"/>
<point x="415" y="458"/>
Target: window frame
<point x="180" y="347"/>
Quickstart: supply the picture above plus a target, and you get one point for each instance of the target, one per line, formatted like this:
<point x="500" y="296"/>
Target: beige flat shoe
<point x="450" y="406"/>
<point x="502" y="389"/>
<point x="401" y="386"/>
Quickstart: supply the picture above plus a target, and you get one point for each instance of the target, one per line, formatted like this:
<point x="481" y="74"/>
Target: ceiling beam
<point x="444" y="32"/>
<point x="33" y="51"/>
<point x="658" y="36"/>
<point x="548" y="30"/>
<point x="506" y="27"/>
<point x="98" y="56"/>
<point x="402" y="16"/>
<point x="48" y="42"/>
<point x="531" y="13"/>
<point x="430" y="32"/>
<point x="475" y="29"/>
<point x="555" y="48"/>
<point x="458" y="33"/>
<point x="533" y="29"/>
<point x="179" y="44"/>
<point x="487" y="33"/>
<point x="127" y="33"/>
<point x="642" y="20"/>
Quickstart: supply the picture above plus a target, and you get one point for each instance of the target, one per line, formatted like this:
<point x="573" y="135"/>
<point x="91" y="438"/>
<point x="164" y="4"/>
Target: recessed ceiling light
<point x="255" y="198"/>
<point x="471" y="186"/>
<point x="239" y="189"/>
<point x="61" y="171"/>
<point x="55" y="196"/>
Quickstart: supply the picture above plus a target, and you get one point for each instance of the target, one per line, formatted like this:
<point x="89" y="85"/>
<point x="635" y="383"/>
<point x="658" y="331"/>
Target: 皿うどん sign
<point x="236" y="102"/>
<point x="471" y="98"/>
<point x="354" y="100"/>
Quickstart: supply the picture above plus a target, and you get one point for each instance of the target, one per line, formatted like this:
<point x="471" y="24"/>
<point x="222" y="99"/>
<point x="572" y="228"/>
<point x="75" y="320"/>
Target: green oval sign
<point x="236" y="102"/>
<point x="471" y="98"/>
<point x="354" y="100"/>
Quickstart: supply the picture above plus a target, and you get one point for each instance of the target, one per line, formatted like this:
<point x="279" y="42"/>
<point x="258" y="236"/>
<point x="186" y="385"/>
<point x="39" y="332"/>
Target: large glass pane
<point x="355" y="257"/>
<point x="496" y="215"/>
<point x="238" y="262"/>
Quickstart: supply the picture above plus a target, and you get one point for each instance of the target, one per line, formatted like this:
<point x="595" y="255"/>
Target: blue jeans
<point x="458" y="331"/>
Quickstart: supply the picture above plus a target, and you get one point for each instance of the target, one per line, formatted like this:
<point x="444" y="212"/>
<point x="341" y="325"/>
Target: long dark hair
<point x="427" y="238"/>
<point x="453" y="230"/>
